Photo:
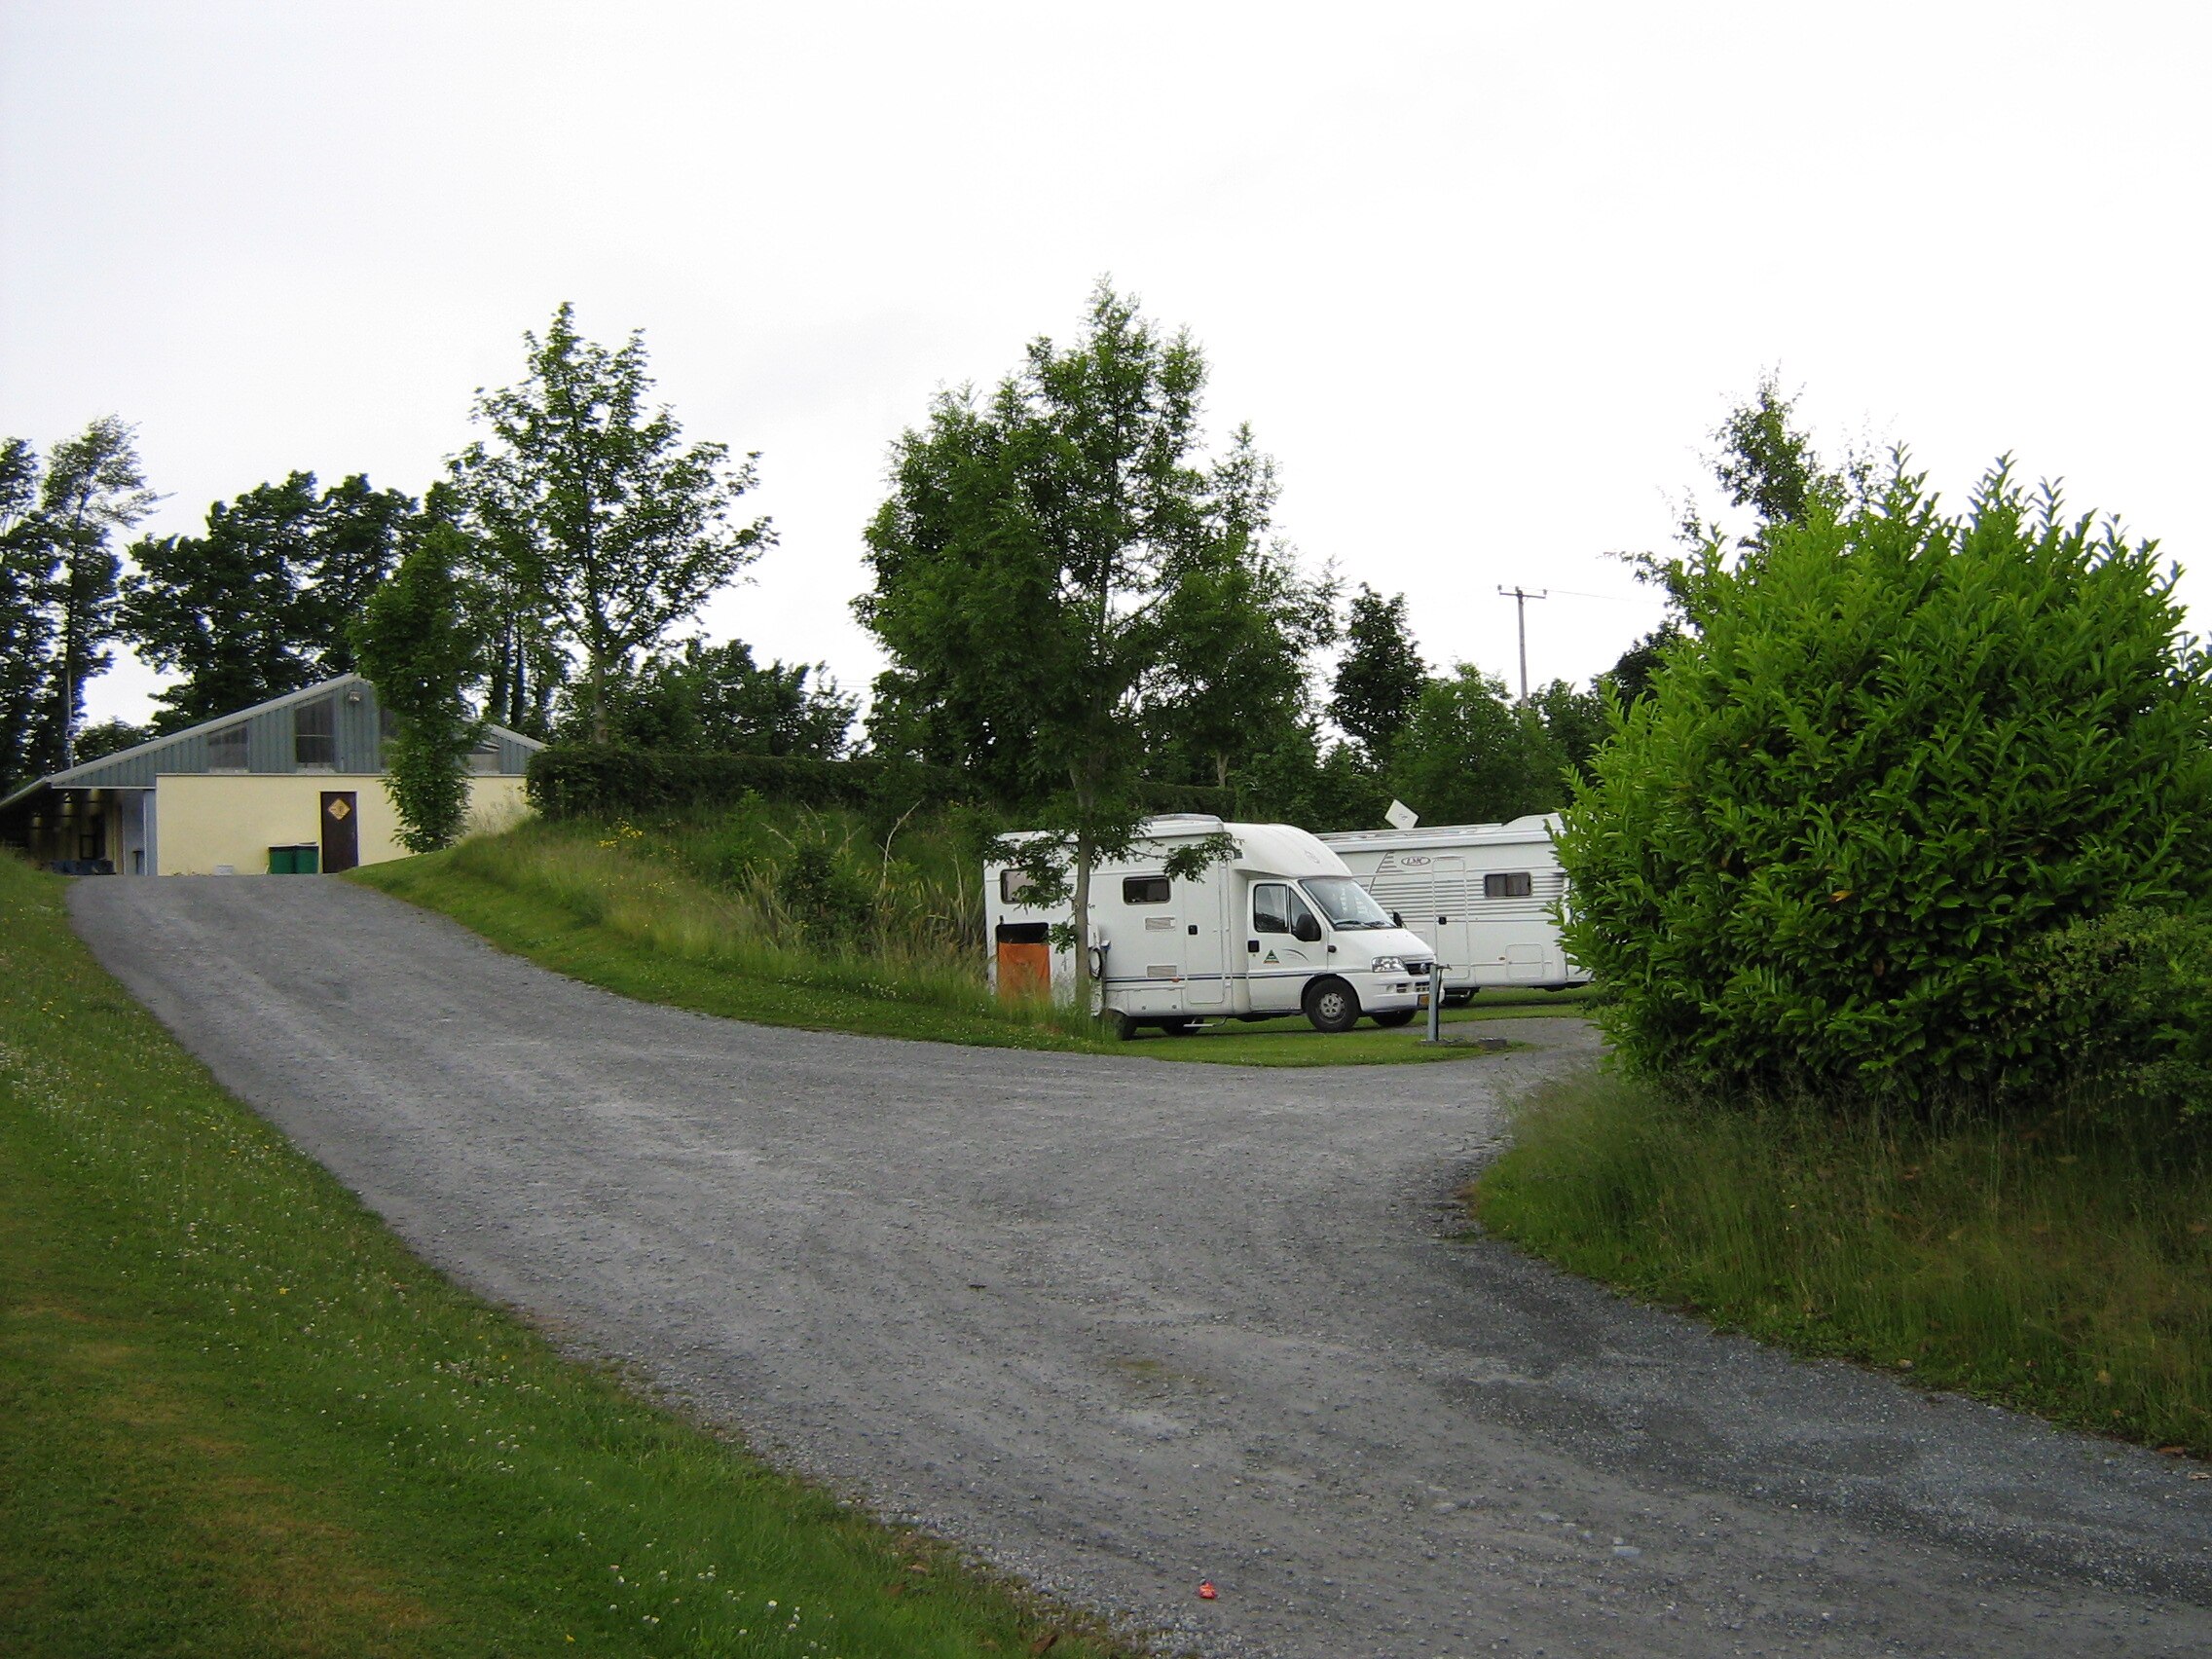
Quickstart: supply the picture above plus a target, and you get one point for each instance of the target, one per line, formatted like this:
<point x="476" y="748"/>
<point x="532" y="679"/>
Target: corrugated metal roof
<point x="271" y="743"/>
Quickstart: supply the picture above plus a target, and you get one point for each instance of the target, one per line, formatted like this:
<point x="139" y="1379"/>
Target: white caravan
<point x="1481" y="897"/>
<point x="1281" y="928"/>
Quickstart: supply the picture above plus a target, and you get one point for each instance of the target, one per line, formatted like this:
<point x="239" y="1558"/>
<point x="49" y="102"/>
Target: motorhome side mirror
<point x="1396" y="920"/>
<point x="1306" y="930"/>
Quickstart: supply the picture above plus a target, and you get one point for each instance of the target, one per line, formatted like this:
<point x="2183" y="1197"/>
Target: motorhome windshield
<point x="1345" y="902"/>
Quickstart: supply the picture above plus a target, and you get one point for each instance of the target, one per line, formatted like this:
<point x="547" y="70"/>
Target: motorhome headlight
<point x="1388" y="964"/>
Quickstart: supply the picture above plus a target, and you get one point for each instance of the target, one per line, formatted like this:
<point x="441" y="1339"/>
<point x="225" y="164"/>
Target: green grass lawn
<point x="2052" y="1268"/>
<point x="497" y="897"/>
<point x="236" y="1418"/>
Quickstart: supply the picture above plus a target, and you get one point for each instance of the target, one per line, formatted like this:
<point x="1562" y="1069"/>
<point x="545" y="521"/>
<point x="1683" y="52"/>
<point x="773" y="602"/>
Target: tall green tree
<point x="354" y="546"/>
<point x="1768" y="463"/>
<point x="1024" y="563"/>
<point x="415" y="643"/>
<point x="960" y="575"/>
<point x="718" y="698"/>
<point x="593" y="504"/>
<point x="1470" y="754"/>
<point x="1240" y="623"/>
<point x="92" y="488"/>
<point x="1575" y="724"/>
<point x="1630" y="676"/>
<point x="1380" y="678"/>
<point x="219" y="608"/>
<point x="527" y="666"/>
<point x="263" y="603"/>
<point x="108" y="737"/>
<point x="26" y="565"/>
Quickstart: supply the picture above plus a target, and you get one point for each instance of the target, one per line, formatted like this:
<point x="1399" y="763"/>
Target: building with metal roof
<point x="295" y="784"/>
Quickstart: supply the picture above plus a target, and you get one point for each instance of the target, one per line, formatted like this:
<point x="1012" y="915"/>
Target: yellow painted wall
<point x="204" y="821"/>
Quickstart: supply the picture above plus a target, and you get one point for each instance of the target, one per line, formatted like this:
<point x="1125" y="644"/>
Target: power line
<point x="1611" y="598"/>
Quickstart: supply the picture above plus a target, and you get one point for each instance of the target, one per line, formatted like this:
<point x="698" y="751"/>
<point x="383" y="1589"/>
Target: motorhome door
<point x="1452" y="939"/>
<point x="1284" y="949"/>
<point x="1205" y="961"/>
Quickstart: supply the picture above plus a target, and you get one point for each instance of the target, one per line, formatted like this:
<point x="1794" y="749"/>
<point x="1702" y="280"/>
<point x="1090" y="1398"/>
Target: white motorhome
<point x="1480" y="896"/>
<point x="1281" y="928"/>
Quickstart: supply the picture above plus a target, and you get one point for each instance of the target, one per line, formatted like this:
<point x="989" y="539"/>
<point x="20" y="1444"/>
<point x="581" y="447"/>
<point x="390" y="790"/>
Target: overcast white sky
<point x="1482" y="278"/>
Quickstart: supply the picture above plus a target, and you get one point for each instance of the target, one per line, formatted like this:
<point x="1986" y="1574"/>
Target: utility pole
<point x="1520" y="616"/>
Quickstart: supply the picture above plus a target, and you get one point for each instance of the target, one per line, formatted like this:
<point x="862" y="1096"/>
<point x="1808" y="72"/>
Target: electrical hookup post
<point x="1435" y="1002"/>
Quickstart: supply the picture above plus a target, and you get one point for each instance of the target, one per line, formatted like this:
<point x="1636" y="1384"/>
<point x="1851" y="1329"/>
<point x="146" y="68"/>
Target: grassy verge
<point x="236" y="1418"/>
<point x="646" y="927"/>
<point x="2056" y="1270"/>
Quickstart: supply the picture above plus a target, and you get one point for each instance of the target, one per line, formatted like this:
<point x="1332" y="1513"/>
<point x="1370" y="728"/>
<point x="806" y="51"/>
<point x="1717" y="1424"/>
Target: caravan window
<point x="1145" y="890"/>
<point x="1506" y="884"/>
<point x="1016" y="886"/>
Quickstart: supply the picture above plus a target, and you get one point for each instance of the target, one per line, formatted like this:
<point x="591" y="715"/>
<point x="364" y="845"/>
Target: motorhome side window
<point x="1016" y="886"/>
<point x="1506" y="884"/>
<point x="1145" y="890"/>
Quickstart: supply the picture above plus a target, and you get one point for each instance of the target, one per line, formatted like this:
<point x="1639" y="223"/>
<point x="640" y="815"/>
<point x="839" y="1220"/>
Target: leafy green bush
<point x="824" y="897"/>
<point x="2130" y="993"/>
<point x="609" y="782"/>
<point x="1894" y="751"/>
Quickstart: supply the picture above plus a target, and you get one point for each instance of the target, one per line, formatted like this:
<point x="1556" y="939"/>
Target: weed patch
<point x="2058" y="1267"/>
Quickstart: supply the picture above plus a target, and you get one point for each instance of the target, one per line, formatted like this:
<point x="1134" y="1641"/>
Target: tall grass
<point x="2055" y="1266"/>
<point x="790" y="894"/>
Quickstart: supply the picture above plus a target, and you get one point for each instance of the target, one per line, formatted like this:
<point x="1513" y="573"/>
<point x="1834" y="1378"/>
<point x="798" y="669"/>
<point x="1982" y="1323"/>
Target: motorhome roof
<point x="1272" y="849"/>
<point x="1537" y="827"/>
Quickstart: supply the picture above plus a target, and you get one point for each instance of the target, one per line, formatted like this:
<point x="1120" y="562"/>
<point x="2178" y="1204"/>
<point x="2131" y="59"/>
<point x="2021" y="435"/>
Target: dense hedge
<point x="1895" y="752"/>
<point x="587" y="781"/>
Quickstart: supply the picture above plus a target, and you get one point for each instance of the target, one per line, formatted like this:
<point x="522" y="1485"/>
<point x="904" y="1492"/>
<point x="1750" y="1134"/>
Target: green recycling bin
<point x="305" y="859"/>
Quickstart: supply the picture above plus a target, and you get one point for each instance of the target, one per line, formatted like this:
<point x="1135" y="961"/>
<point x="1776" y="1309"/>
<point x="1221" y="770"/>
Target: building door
<point x="340" y="830"/>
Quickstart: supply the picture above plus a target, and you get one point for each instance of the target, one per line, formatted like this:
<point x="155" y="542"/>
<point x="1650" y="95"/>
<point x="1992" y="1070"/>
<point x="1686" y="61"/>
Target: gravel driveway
<point x="1123" y="1324"/>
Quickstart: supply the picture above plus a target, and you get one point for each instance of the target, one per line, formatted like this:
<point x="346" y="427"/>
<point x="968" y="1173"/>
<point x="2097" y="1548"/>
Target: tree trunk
<point x="599" y="727"/>
<point x="503" y="695"/>
<point x="1085" y="802"/>
<point x="1083" y="979"/>
<point x="66" y="674"/>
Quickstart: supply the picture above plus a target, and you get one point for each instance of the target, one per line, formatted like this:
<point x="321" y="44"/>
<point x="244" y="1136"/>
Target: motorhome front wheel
<point x="1332" y="1005"/>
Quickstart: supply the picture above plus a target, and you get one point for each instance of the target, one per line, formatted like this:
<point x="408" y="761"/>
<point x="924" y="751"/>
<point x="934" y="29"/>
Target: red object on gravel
<point x="1206" y="1591"/>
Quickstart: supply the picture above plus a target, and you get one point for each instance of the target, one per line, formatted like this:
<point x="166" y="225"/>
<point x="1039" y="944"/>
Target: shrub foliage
<point x="1893" y="750"/>
<point x="2131" y="995"/>
<point x="607" y="781"/>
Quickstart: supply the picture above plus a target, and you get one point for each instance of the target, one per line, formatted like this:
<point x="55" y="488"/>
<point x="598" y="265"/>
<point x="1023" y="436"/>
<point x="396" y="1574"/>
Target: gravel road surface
<point x="1122" y="1326"/>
